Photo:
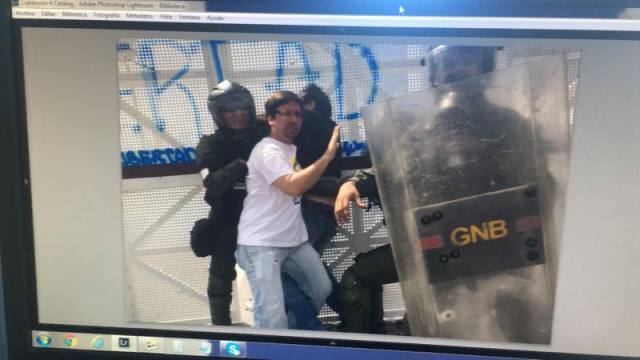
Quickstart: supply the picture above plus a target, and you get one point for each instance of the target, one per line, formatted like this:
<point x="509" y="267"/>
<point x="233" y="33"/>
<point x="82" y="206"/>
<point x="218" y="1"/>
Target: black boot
<point x="376" y="311"/>
<point x="219" y="306"/>
<point x="221" y="276"/>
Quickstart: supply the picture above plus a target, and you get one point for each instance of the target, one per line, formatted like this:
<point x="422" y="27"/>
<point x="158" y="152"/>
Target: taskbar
<point x="138" y="344"/>
<point x="226" y="348"/>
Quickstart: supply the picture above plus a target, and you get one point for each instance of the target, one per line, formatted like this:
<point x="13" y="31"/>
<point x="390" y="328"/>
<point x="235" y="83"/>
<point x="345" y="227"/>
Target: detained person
<point x="317" y="203"/>
<point x="272" y="236"/>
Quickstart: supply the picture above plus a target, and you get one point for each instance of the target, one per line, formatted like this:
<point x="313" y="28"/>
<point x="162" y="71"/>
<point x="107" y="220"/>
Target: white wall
<point x="74" y="153"/>
<point x="598" y="289"/>
<point x="72" y="109"/>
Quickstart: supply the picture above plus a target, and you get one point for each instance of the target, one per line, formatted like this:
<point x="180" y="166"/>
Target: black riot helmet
<point x="452" y="63"/>
<point x="228" y="96"/>
<point x="312" y="94"/>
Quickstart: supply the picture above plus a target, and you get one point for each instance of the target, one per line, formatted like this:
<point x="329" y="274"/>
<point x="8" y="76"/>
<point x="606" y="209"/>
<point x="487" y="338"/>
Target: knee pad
<point x="354" y="299"/>
<point x="222" y="269"/>
<point x="219" y="287"/>
<point x="352" y="288"/>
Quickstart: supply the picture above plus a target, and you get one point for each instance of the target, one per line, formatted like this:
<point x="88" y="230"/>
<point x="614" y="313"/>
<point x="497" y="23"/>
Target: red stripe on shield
<point x="431" y="242"/>
<point x="527" y="223"/>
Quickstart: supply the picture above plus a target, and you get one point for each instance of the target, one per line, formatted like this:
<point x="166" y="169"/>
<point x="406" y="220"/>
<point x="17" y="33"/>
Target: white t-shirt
<point x="269" y="216"/>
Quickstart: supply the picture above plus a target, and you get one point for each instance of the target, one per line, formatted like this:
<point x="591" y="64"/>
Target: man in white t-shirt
<point x="272" y="236"/>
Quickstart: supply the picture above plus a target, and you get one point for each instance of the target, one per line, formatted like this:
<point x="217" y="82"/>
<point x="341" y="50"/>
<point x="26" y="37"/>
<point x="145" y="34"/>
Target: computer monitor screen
<point x="186" y="193"/>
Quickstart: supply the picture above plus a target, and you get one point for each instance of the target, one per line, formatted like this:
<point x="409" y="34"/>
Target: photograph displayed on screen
<point x="240" y="208"/>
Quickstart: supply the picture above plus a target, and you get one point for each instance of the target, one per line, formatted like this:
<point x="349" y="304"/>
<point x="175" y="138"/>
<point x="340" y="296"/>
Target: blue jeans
<point x="321" y="226"/>
<point x="263" y="266"/>
<point x="300" y="312"/>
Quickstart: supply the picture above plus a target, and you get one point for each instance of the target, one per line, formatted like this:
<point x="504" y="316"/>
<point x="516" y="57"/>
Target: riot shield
<point x="473" y="202"/>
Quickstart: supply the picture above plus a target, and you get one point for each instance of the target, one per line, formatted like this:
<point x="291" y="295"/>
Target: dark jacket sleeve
<point x="325" y="186"/>
<point x="365" y="181"/>
<point x="335" y="166"/>
<point x="222" y="177"/>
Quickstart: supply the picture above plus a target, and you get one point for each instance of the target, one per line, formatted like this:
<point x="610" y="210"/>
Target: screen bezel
<point x="18" y="261"/>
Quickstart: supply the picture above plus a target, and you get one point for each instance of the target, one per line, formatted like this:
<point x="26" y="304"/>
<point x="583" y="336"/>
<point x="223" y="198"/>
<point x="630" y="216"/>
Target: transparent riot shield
<point x="471" y="177"/>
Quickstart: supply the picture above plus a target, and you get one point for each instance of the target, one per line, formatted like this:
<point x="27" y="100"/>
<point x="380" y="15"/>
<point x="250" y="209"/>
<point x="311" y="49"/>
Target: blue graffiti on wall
<point x="309" y="76"/>
<point x="215" y="55"/>
<point x="186" y="155"/>
<point x="155" y="88"/>
<point x="350" y="148"/>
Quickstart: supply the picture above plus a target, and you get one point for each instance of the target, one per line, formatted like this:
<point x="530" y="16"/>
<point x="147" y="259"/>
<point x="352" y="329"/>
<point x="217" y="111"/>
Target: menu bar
<point x="122" y="5"/>
<point x="332" y="20"/>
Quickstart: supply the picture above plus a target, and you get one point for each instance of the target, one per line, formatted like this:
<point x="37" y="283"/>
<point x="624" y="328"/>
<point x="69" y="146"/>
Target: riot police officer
<point x="221" y="159"/>
<point x="463" y="115"/>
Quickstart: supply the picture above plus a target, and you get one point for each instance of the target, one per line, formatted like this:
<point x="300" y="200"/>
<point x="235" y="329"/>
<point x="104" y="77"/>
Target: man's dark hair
<point x="278" y="99"/>
<point x="314" y="93"/>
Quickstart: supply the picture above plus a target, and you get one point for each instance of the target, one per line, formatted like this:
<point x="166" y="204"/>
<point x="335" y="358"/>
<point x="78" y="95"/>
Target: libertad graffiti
<point x="147" y="52"/>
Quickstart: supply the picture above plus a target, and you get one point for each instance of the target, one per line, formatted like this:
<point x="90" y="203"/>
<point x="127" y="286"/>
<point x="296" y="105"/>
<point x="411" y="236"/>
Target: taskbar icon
<point x="44" y="340"/>
<point x="233" y="349"/>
